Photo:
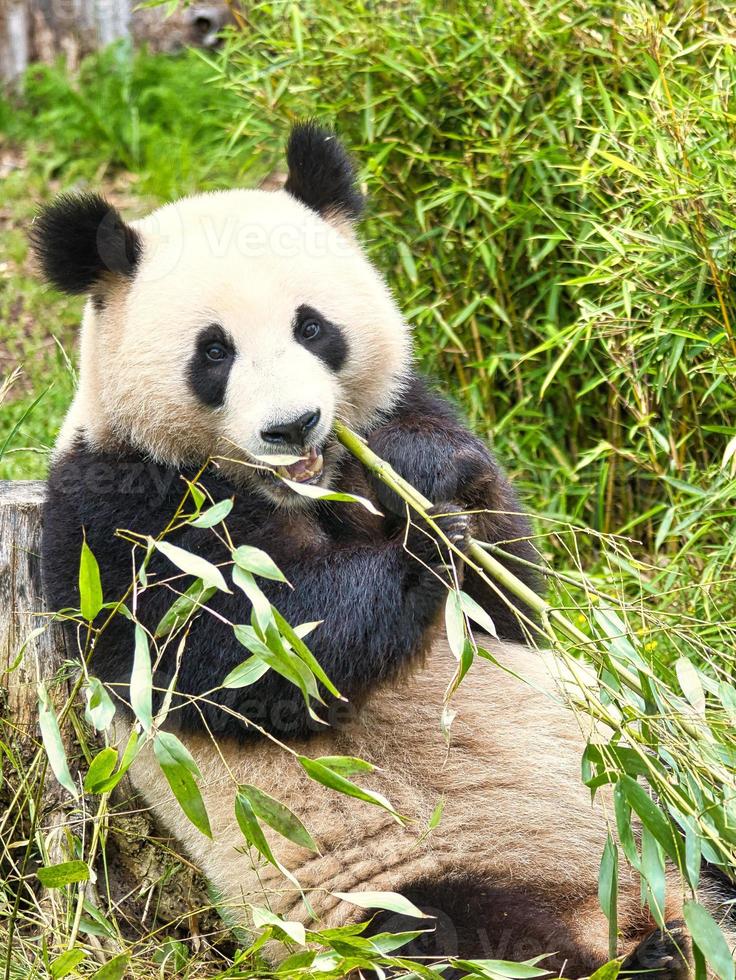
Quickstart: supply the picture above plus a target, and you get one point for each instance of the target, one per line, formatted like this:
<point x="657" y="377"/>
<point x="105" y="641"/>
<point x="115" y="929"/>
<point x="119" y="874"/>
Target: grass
<point x="552" y="199"/>
<point x="144" y="129"/>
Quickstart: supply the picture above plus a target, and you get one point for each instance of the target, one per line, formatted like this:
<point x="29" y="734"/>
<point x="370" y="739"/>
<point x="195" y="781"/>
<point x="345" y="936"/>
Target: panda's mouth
<point x="306" y="469"/>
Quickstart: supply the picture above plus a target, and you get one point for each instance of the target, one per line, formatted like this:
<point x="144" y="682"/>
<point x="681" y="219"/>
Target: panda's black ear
<point x="80" y="239"/>
<point x="321" y="173"/>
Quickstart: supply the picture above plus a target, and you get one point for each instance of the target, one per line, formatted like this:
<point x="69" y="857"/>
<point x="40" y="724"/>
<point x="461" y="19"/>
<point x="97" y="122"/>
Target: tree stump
<point x="22" y="607"/>
<point x="139" y="860"/>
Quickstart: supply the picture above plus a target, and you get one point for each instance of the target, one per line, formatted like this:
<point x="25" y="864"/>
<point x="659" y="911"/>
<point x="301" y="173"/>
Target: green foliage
<point x="551" y="191"/>
<point x="59" y="875"/>
<point x="182" y="773"/>
<point x="156" y="118"/>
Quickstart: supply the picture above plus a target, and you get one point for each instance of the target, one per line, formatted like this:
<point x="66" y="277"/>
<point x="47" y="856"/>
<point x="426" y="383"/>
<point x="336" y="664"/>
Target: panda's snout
<point x="293" y="432"/>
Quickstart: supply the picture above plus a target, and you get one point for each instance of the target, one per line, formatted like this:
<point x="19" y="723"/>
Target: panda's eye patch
<point x="310" y="329"/>
<point x="216" y="352"/>
<point x="321" y="337"/>
<point x="210" y="363"/>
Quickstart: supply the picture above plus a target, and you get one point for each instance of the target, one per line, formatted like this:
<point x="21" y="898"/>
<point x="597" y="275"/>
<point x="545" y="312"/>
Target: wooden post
<point x="137" y="861"/>
<point x="22" y="607"/>
<point x="25" y="658"/>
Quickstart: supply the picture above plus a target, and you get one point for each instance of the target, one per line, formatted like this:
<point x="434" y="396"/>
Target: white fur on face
<point x="246" y="260"/>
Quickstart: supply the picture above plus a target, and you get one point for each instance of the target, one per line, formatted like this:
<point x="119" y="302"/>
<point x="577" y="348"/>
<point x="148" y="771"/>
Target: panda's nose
<point x="293" y="433"/>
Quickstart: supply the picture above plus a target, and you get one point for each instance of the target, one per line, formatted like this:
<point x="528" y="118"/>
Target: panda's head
<point x="236" y="325"/>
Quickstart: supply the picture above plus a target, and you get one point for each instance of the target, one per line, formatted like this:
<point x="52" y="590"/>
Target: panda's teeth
<point x="304" y="470"/>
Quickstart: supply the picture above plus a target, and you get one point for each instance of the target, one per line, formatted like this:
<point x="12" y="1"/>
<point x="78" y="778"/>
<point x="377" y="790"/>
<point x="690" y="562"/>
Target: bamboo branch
<point x="477" y="557"/>
<point x="484" y="564"/>
<point x="491" y="570"/>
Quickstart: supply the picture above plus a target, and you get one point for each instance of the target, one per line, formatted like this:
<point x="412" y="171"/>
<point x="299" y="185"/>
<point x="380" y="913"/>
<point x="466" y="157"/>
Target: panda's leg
<point x="471" y="920"/>
<point x="665" y="954"/>
<point x="498" y="923"/>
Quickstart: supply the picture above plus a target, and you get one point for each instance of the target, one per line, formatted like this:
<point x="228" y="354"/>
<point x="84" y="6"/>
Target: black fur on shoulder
<point x="78" y="238"/>
<point x="321" y="173"/>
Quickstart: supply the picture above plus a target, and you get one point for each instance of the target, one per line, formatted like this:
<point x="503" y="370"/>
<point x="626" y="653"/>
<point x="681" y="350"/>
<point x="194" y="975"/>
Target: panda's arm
<point x="375" y="603"/>
<point x="426" y="443"/>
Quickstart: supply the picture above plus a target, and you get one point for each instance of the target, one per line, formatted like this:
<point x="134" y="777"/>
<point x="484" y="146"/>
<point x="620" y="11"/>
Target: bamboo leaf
<point x="620" y="164"/>
<point x="213" y="515"/>
<point x="246" y="673"/>
<point x="321" y="773"/>
<point x="346" y="765"/>
<point x="114" y="969"/>
<point x="185" y="606"/>
<point x="608" y="892"/>
<point x="709" y="939"/>
<point x="90" y="586"/>
<point x="261" y="606"/>
<point x="257" y="562"/>
<point x="179" y="768"/>
<point x="192" y="564"/>
<point x="653" y="872"/>
<point x="278" y="817"/>
<point x="407" y="260"/>
<point x="502" y="969"/>
<point x="476" y="612"/>
<point x="100" y="770"/>
<point x="100" y="709"/>
<point x="52" y="743"/>
<point x="454" y="623"/>
<point x="320" y="493"/>
<point x="141" y="680"/>
<point x="263" y="917"/>
<point x="690" y="684"/>
<point x="251" y="830"/>
<point x="623" y="826"/>
<point x="66" y="963"/>
<point x="652" y="817"/>
<point x="294" y="639"/>
<point x="390" y="901"/>
<point x="59" y="875"/>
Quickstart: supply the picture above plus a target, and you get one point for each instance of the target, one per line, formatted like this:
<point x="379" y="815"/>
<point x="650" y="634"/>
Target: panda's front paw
<point x="431" y="552"/>
<point x="420" y="459"/>
<point x="453" y="523"/>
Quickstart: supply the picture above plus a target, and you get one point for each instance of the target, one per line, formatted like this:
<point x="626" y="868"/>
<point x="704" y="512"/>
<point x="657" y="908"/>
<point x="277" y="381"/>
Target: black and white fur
<point x="243" y="323"/>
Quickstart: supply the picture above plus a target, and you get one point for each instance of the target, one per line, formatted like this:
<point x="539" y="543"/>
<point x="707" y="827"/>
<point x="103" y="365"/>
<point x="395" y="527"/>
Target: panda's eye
<point x="310" y="329"/>
<point x="215" y="352"/>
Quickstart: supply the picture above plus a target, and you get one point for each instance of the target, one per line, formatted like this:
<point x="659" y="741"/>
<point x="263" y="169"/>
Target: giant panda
<point x="232" y="326"/>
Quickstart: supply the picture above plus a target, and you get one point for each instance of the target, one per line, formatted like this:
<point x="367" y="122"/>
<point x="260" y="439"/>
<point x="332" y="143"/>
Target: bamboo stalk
<point x="477" y="557"/>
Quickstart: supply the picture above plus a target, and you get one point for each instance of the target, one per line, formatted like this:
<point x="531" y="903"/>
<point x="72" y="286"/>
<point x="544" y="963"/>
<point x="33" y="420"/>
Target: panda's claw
<point x="454" y="524"/>
<point x="454" y="528"/>
<point x="664" y="954"/>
